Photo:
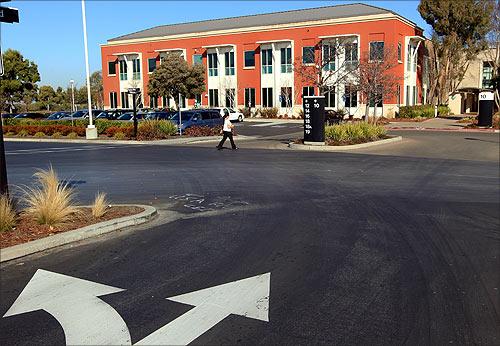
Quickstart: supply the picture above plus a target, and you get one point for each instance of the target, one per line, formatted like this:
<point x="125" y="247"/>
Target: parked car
<point x="82" y="114"/>
<point x="159" y="115"/>
<point x="129" y="116"/>
<point x="30" y="115"/>
<point x="233" y="114"/>
<point x="198" y="117"/>
<point x="112" y="114"/>
<point x="8" y="115"/>
<point x="58" y="115"/>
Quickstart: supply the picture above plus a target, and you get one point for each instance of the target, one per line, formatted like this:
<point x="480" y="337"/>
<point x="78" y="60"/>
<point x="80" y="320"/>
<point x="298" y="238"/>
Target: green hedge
<point x="352" y="133"/>
<point x="424" y="111"/>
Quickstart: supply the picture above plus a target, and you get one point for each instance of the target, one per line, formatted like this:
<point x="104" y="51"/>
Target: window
<point x="136" y="69"/>
<point x="351" y="55"/>
<point x="400" y="51"/>
<point x="249" y="58"/>
<point x="111" y="68"/>
<point x="267" y="97"/>
<point x="183" y="101"/>
<point x="230" y="97"/>
<point x="267" y="61"/>
<point x="229" y="63"/>
<point x="286" y="97"/>
<point x="286" y="60"/>
<point x="330" y="98"/>
<point x="113" y="100"/>
<point x="308" y="91"/>
<point x="153" y="102"/>
<point x="407" y="95"/>
<point x="378" y="98"/>
<point x="414" y="95"/>
<point x="151" y="64"/>
<point x="411" y="58"/>
<point x="308" y="55"/>
<point x="197" y="59"/>
<point x="165" y="101"/>
<point x="424" y="94"/>
<point x="123" y="70"/>
<point x="398" y="94"/>
<point x="212" y="64"/>
<point x="249" y="97"/>
<point x="124" y="99"/>
<point x="377" y="50"/>
<point x="329" y="54"/>
<point x="351" y="97"/>
<point x="213" y="97"/>
<point x="487" y="75"/>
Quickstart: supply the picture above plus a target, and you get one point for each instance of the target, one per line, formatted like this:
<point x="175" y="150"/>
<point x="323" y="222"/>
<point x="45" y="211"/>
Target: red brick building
<point x="251" y="60"/>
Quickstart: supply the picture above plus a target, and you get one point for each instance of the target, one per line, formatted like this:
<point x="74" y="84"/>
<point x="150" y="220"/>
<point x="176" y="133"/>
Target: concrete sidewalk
<point x="434" y="124"/>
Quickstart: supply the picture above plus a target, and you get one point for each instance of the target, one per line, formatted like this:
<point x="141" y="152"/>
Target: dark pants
<point x="227" y="134"/>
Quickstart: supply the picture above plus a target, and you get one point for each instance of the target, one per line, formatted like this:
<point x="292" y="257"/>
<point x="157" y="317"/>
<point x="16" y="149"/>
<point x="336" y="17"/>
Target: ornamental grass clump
<point x="7" y="214"/>
<point x="100" y="205"/>
<point x="352" y="133"/>
<point x="155" y="129"/>
<point x="51" y="201"/>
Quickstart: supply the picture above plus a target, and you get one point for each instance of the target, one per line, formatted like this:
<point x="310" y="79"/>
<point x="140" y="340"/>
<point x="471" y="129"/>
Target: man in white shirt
<point x="227" y="131"/>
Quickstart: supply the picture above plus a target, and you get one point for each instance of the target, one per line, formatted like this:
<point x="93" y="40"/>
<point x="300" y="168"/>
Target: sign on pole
<point x="9" y="15"/>
<point x="314" y="120"/>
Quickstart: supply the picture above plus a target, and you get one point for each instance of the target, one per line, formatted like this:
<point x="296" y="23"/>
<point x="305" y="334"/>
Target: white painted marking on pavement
<point x="85" y="319"/>
<point x="264" y="124"/>
<point x="247" y="297"/>
<point x="42" y="151"/>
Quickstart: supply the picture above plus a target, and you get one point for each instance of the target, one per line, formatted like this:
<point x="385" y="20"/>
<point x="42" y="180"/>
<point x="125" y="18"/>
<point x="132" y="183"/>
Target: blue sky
<point x="51" y="34"/>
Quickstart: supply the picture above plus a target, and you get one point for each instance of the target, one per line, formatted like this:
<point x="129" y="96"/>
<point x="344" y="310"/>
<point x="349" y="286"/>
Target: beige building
<point x="477" y="78"/>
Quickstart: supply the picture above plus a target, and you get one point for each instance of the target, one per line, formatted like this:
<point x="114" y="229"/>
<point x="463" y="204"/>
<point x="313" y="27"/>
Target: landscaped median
<point x="107" y="129"/>
<point x="47" y="217"/>
<point x="348" y="136"/>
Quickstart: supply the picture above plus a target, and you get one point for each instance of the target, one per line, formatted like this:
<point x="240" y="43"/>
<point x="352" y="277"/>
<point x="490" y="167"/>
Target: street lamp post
<point x="72" y="82"/>
<point x="91" y="131"/>
<point x="134" y="92"/>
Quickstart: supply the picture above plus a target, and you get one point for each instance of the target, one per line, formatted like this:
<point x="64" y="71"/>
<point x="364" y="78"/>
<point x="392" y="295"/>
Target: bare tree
<point x="376" y="78"/>
<point x="332" y="63"/>
<point x="234" y="89"/>
<point x="493" y="52"/>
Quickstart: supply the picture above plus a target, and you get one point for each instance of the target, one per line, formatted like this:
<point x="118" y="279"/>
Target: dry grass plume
<point x="100" y="205"/>
<point x="7" y="214"/>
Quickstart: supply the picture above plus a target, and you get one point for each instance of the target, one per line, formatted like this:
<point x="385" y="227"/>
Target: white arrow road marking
<point x="85" y="319"/>
<point x="248" y="297"/>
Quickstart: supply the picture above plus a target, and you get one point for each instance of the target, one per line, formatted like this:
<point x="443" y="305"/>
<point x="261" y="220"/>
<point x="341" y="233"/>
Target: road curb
<point x="297" y="146"/>
<point x="20" y="250"/>
<point x="274" y="120"/>
<point x="439" y="129"/>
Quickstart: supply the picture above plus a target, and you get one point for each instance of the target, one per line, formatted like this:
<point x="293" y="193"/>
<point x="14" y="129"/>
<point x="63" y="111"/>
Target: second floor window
<point x="136" y="69"/>
<point x="249" y="58"/>
<point x="488" y="75"/>
<point x="267" y="61"/>
<point x="377" y="50"/>
<point x="111" y="68"/>
<point x="212" y="64"/>
<point x="308" y="55"/>
<point x="329" y="55"/>
<point x="123" y="70"/>
<point x="197" y="59"/>
<point x="229" y="63"/>
<point x="151" y="64"/>
<point x="351" y="54"/>
<point x="400" y="52"/>
<point x="286" y="60"/>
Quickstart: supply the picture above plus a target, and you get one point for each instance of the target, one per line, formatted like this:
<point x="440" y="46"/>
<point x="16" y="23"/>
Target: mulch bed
<point x="27" y="229"/>
<point x="335" y="143"/>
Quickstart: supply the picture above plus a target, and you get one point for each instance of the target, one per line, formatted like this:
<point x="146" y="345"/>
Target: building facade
<point x="252" y="61"/>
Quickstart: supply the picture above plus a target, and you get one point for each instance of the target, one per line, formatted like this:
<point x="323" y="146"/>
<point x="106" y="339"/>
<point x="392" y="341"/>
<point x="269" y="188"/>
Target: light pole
<point x="91" y="131"/>
<point x="72" y="82"/>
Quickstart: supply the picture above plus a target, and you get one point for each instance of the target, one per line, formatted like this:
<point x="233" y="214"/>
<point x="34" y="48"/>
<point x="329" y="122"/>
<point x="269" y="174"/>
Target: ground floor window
<point x="183" y="101"/>
<point x="113" y="99"/>
<point x="307" y="91"/>
<point x="153" y="102"/>
<point x="267" y="97"/>
<point x="230" y="96"/>
<point x="407" y="95"/>
<point x="330" y="97"/>
<point x="377" y="98"/>
<point x="414" y="95"/>
<point x="124" y="99"/>
<point x="165" y="101"/>
<point x="197" y="100"/>
<point x="286" y="97"/>
<point x="249" y="97"/>
<point x="351" y="97"/>
<point x="213" y="97"/>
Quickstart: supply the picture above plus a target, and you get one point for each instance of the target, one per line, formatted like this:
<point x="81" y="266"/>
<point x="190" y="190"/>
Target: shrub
<point x="56" y="135"/>
<point x="247" y="113"/>
<point x="201" y="131"/>
<point x="10" y="133"/>
<point x="7" y="214"/>
<point x="39" y="134"/>
<point x="351" y="133"/>
<point x="424" y="111"/>
<point x="100" y="205"/>
<point x="72" y="135"/>
<point x="301" y="113"/>
<point x="155" y="129"/>
<point x="119" y="135"/>
<point x="444" y="111"/>
<point x="496" y="121"/>
<point x="51" y="202"/>
<point x="126" y="130"/>
<point x="269" y="113"/>
<point x="23" y="133"/>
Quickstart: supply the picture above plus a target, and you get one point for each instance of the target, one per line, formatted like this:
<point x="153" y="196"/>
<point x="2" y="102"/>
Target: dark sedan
<point x="58" y="115"/>
<point x="30" y="115"/>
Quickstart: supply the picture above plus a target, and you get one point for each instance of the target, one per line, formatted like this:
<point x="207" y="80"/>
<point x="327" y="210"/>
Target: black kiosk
<point x="314" y="120"/>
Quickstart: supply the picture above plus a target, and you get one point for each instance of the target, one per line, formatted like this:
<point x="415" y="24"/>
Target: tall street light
<point x="72" y="82"/>
<point x="91" y="131"/>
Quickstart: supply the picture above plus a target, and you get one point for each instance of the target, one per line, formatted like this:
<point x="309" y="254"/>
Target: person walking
<point x="227" y="132"/>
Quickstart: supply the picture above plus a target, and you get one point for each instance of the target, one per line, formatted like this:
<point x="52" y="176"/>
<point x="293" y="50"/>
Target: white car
<point x="233" y="115"/>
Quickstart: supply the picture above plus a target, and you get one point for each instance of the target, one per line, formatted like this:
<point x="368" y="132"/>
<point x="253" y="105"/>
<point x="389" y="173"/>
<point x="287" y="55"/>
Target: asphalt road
<point x="362" y="249"/>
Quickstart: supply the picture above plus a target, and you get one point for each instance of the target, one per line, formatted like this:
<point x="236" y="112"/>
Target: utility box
<point x="314" y="120"/>
<point x="486" y="104"/>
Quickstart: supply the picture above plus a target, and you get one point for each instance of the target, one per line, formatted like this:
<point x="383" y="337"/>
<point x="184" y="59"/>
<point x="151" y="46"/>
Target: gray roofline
<point x="124" y="37"/>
